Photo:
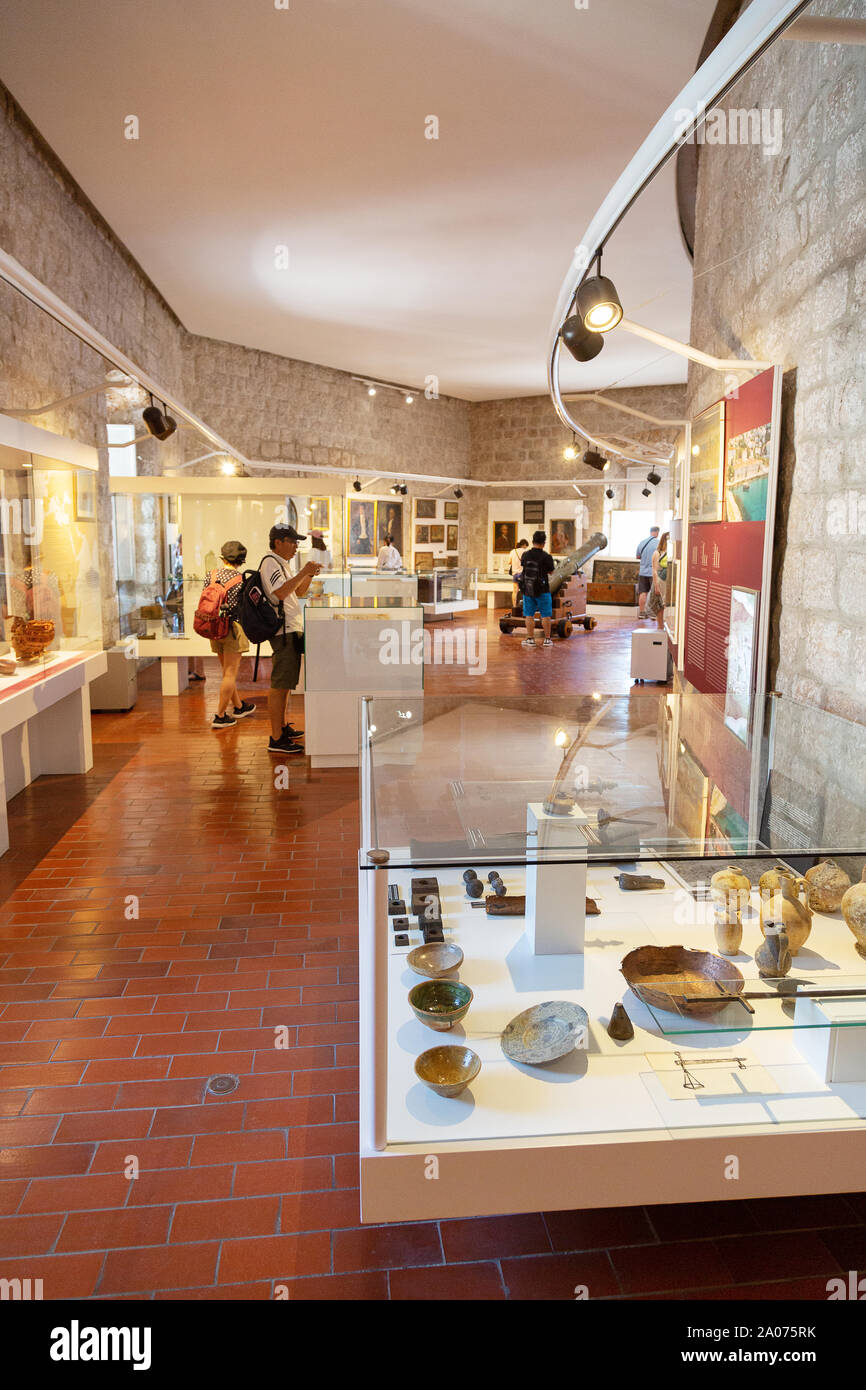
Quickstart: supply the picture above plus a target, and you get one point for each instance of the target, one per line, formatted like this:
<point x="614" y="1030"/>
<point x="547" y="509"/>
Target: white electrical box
<point x="831" y="1035"/>
<point x="649" y="656"/>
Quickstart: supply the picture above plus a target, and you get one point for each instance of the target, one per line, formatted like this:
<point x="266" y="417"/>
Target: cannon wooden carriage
<point x="568" y="592"/>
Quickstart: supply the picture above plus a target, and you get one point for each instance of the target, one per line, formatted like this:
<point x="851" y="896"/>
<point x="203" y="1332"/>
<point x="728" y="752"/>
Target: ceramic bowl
<point x="447" y="1070"/>
<point x="435" y="960"/>
<point x="440" y="1003"/>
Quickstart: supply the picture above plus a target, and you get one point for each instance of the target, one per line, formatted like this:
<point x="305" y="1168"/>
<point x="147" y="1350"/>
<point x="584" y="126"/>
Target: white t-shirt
<point x="318" y="557"/>
<point x="515" y="561"/>
<point x="389" y="558"/>
<point x="275" y="572"/>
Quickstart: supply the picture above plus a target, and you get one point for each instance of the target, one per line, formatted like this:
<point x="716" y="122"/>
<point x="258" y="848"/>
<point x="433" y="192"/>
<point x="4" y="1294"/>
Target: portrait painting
<point x="561" y="538"/>
<point x="452" y="537"/>
<point x="362" y="527"/>
<point x="425" y="508"/>
<point x="504" y="536"/>
<point x="389" y="522"/>
<point x="422" y="535"/>
<point x="437" y="535"/>
<point x="320" y="513"/>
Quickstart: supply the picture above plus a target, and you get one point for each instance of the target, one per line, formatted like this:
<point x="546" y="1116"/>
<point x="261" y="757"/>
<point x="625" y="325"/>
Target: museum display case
<point x="382" y="584"/>
<point x="443" y="591"/>
<point x="635" y="970"/>
<point x="351" y="647"/>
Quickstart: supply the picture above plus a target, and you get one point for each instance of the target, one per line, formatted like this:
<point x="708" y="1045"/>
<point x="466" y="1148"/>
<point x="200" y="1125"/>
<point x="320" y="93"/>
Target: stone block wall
<point x="780" y="275"/>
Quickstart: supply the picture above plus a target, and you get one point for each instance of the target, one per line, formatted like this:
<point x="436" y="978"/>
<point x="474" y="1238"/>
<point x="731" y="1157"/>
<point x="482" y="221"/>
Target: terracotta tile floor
<point x="160" y="918"/>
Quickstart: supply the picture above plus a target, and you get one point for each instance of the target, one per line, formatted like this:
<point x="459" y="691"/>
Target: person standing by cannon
<point x="537" y="568"/>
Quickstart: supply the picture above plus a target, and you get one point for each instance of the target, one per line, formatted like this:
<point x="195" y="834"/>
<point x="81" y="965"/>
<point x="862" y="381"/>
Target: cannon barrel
<point x="566" y="568"/>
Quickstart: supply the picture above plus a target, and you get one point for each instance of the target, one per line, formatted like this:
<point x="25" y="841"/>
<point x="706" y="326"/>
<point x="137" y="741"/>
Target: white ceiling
<point x="304" y="127"/>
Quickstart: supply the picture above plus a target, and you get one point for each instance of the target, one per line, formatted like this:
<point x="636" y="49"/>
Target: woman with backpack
<point x="215" y="618"/>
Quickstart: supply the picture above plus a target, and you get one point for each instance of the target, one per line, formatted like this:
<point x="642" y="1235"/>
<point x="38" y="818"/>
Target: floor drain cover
<point x="222" y="1085"/>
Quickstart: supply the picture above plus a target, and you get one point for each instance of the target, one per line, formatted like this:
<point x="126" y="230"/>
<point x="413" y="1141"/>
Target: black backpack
<point x="260" y="619"/>
<point x="533" y="577"/>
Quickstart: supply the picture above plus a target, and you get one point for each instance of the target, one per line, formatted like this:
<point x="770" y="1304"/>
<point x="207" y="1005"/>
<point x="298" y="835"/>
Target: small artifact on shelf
<point x="691" y="1083"/>
<point x="773" y="957"/>
<point x="435" y="960"/>
<point x="505" y="907"/>
<point x="545" y="1032"/>
<point x="401" y="939"/>
<point x="432" y="931"/>
<point x="620" y="1027"/>
<point x="730" y="889"/>
<point x="447" y="1070"/>
<point x="474" y="887"/>
<point x="854" y="912"/>
<point x="633" y="883"/>
<point x="400" y="923"/>
<point x="420" y="893"/>
<point x="440" y="1003"/>
<point x="592" y="908"/>
<point x="30" y="637"/>
<point x="682" y="981"/>
<point x="496" y="884"/>
<point x="396" y="905"/>
<point x="728" y="930"/>
<point x="469" y="874"/>
<point x="826" y="886"/>
<point x="780" y="881"/>
<point x="792" y="914"/>
<point x="7" y="666"/>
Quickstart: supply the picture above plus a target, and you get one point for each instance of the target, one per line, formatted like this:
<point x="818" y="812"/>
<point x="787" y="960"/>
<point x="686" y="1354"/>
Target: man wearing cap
<point x="283" y="588"/>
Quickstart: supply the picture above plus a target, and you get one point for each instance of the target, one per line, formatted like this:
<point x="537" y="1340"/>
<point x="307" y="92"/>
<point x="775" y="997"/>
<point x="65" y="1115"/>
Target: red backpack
<point x="210" y="620"/>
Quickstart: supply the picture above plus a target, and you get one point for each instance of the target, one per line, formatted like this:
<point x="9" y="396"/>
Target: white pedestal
<point x="835" y="1053"/>
<point x="174" y="671"/>
<point x="555" y="893"/>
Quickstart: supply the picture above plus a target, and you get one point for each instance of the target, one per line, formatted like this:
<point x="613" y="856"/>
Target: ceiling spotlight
<point x="653" y="477"/>
<point x="458" y="492"/>
<point x="570" y="451"/>
<point x="403" y="489"/>
<point x="157" y="423"/>
<point x="357" y="485"/>
<point x="645" y="492"/>
<point x="371" y="390"/>
<point x="581" y="343"/>
<point x="593" y="459"/>
<point x="395" y="488"/>
<point x="696" y="449"/>
<point x="598" y="305"/>
<point x="609" y="493"/>
<point x="409" y="399"/>
<point x="228" y="466"/>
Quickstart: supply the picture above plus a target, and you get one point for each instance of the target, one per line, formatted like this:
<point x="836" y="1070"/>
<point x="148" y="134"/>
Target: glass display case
<point x="442" y="591"/>
<point x="353" y="647"/>
<point x="384" y="584"/>
<point x="566" y="859"/>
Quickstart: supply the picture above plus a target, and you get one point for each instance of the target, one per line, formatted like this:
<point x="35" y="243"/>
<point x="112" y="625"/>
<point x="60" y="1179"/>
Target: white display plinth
<point x="45" y="723"/>
<point x="835" y="1053"/>
<point x="555" y="893"/>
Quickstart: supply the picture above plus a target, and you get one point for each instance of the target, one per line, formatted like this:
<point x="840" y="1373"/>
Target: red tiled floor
<point x="110" y="1028"/>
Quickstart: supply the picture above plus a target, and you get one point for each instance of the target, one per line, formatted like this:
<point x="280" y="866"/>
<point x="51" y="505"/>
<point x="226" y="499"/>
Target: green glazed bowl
<point x="440" y="1003"/>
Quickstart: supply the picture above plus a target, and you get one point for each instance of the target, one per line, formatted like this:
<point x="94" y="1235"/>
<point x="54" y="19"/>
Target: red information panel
<point x="730" y="553"/>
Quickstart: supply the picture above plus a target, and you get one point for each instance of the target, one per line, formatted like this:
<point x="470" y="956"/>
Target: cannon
<point x="568" y="591"/>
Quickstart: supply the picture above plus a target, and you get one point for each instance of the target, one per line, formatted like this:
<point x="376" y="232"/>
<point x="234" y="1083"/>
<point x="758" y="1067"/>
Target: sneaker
<point x="284" y="744"/>
<point x="241" y="711"/>
<point x="548" y="642"/>
<point x="223" y="721"/>
<point x="528" y="642"/>
<point x="194" y="676"/>
<point x="289" y="731"/>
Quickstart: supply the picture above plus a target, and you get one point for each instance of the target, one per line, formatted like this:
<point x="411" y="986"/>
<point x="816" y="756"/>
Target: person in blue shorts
<point x="537" y="568"/>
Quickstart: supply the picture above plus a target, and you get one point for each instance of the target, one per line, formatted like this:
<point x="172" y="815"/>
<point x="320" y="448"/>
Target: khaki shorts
<point x="286" y="665"/>
<point x="236" y="641"/>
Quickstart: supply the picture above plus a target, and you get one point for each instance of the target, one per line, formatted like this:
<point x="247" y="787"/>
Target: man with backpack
<point x="282" y="590"/>
<point x="537" y="567"/>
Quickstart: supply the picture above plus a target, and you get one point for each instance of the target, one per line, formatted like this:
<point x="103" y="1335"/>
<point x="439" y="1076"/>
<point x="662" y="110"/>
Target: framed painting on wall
<point x="705" y="473"/>
<point x="452" y="511"/>
<point x="561" y="540"/>
<point x="504" y="537"/>
<point x="84" y="496"/>
<point x="533" y="514"/>
<point x="422" y="535"/>
<point x="425" y="507"/>
<point x="747" y="475"/>
<point x="362" y="527"/>
<point x="741" y="652"/>
<point x="437" y="535"/>
<point x="452" y="538"/>
<point x="423" y="560"/>
<point x="320" y="513"/>
<point x="389" y="522"/>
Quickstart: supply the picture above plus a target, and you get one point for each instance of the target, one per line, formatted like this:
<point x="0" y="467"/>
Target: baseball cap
<point x="317" y="535"/>
<point x="285" y="533"/>
<point x="234" y="551"/>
